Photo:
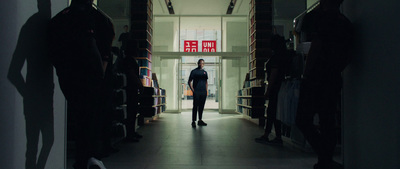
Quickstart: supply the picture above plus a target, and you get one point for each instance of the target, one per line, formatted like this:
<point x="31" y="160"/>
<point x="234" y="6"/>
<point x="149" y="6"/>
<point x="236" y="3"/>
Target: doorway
<point x="212" y="66"/>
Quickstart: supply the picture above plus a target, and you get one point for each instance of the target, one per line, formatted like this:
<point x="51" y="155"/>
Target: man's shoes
<point x="263" y="139"/>
<point x="323" y="166"/>
<point x="137" y="135"/>
<point x="201" y="123"/>
<point x="194" y="124"/>
<point x="131" y="139"/>
<point x="275" y="142"/>
<point x="94" y="163"/>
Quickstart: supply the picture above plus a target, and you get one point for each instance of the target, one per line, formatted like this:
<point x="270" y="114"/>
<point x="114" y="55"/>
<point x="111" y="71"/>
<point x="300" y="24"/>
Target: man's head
<point x="330" y="4"/>
<point x="126" y="28"/>
<point x="44" y="6"/>
<point x="82" y="2"/>
<point x="200" y="63"/>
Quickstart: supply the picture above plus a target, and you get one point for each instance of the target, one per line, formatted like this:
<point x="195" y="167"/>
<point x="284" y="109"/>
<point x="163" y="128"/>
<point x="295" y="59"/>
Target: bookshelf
<point x="249" y="103"/>
<point x="260" y="31"/>
<point x="250" y="99"/>
<point x="142" y="33"/>
<point x="152" y="99"/>
<point x="152" y="102"/>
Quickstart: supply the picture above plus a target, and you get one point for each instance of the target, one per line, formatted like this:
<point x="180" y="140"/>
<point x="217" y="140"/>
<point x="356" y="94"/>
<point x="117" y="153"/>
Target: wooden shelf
<point x="159" y="105"/>
<point x="250" y="96"/>
<point x="244" y="96"/>
<point x="144" y="58"/>
<point x="158" y="96"/>
<point x="244" y="106"/>
<point x="146" y="68"/>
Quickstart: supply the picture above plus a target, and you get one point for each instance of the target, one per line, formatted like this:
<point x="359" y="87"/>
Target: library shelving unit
<point x="250" y="100"/>
<point x="250" y="103"/>
<point x="142" y="33"/>
<point x="152" y="102"/>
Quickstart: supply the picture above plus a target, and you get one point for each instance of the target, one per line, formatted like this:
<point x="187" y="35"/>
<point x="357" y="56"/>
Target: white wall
<point x="163" y="37"/>
<point x="168" y="81"/>
<point x="371" y="86"/>
<point x="236" y="36"/>
<point x="13" y="15"/>
<point x="311" y="2"/>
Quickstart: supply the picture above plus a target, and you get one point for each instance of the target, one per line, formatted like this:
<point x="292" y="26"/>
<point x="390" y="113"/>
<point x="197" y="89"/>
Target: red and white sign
<point x="209" y="46"/>
<point x="190" y="45"/>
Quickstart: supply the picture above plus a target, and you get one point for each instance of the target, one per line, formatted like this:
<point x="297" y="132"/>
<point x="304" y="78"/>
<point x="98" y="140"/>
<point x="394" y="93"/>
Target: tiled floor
<point x="226" y="143"/>
<point x="210" y="104"/>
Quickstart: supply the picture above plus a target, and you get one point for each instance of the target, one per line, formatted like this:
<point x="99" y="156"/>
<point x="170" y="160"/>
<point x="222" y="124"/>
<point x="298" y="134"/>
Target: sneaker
<point x="262" y="139"/>
<point x="327" y="165"/>
<point x="275" y="142"/>
<point x="131" y="139"/>
<point x="194" y="124"/>
<point x="137" y="135"/>
<point x="201" y="123"/>
<point x="94" y="163"/>
<point x="320" y="166"/>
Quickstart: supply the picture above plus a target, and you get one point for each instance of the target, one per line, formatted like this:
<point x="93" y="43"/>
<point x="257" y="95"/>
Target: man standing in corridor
<point x="199" y="88"/>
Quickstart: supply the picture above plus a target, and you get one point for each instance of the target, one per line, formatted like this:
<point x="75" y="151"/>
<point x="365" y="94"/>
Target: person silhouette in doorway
<point x="123" y="39"/>
<point x="199" y="88"/>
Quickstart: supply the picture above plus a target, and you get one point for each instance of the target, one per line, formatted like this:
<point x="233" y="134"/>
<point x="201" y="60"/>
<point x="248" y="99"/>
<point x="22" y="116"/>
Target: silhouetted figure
<point x="108" y="107"/>
<point x="276" y="67"/>
<point x="127" y="64"/>
<point x="38" y="87"/>
<point x="199" y="88"/>
<point x="80" y="38"/>
<point x="123" y="38"/>
<point x="330" y="33"/>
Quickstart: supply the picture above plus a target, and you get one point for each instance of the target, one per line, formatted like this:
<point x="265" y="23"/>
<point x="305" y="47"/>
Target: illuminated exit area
<point x="211" y="67"/>
<point x="180" y="41"/>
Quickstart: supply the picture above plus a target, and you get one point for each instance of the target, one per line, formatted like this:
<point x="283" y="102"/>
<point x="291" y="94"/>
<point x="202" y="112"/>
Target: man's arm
<point x="14" y="71"/>
<point x="207" y="87"/>
<point x="191" y="85"/>
<point x="190" y="82"/>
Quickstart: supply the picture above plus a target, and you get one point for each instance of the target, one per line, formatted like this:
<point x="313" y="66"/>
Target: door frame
<point x="221" y="55"/>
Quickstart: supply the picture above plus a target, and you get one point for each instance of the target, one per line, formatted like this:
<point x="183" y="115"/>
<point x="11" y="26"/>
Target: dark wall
<point x="371" y="86"/>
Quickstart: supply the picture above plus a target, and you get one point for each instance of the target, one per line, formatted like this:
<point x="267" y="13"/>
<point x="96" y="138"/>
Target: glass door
<point x="170" y="81"/>
<point x="232" y="74"/>
<point x="212" y="67"/>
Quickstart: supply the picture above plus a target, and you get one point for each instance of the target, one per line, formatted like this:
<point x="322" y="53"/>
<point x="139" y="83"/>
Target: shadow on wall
<point x="38" y="86"/>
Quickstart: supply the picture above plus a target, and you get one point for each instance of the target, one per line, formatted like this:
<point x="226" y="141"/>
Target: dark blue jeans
<point x="199" y="100"/>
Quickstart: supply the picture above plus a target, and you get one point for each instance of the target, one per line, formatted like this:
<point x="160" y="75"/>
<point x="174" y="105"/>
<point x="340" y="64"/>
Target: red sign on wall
<point x="190" y="45"/>
<point x="209" y="46"/>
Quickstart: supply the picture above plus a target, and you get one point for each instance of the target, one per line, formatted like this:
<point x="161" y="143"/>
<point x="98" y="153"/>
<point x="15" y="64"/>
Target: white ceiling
<point x="201" y="7"/>
<point x="284" y="9"/>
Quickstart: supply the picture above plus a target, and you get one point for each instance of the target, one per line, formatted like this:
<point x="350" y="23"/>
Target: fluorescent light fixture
<point x="169" y="6"/>
<point x="231" y="6"/>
